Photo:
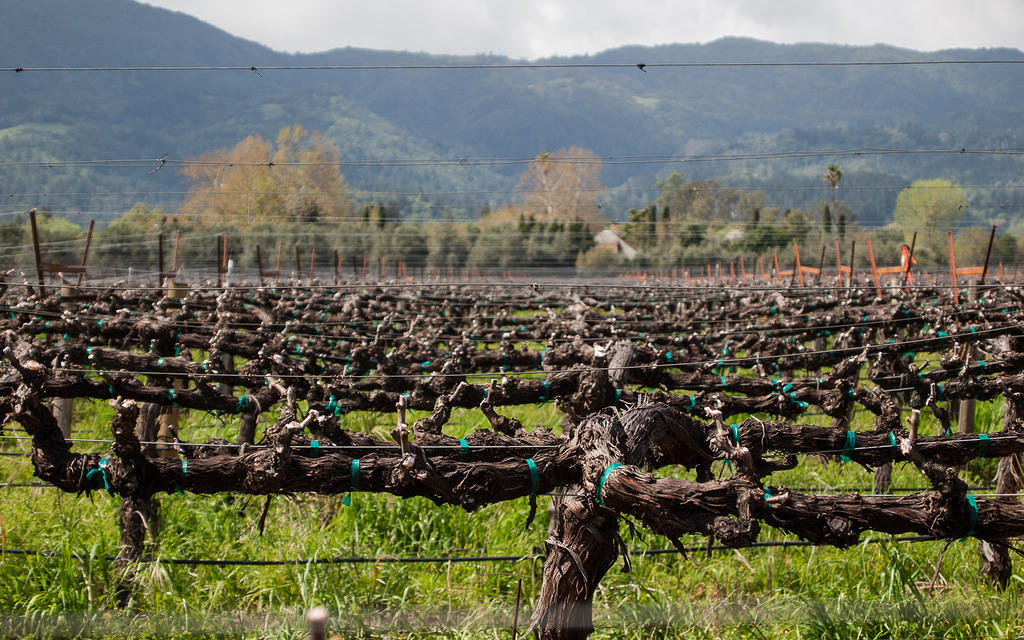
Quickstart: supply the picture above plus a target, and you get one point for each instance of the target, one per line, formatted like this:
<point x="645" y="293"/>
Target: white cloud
<point x="540" y="28"/>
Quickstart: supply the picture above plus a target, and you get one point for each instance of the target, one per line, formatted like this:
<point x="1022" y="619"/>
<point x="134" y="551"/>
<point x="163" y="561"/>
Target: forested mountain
<point x="446" y="114"/>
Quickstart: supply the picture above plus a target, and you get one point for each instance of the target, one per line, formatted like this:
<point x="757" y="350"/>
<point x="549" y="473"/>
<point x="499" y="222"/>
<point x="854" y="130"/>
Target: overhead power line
<point x="364" y="193"/>
<point x="641" y="66"/>
<point x="454" y="162"/>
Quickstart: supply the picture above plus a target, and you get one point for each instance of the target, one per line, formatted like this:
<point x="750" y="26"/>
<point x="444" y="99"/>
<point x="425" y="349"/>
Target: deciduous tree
<point x="298" y="181"/>
<point x="563" y="185"/>
<point x="929" y="207"/>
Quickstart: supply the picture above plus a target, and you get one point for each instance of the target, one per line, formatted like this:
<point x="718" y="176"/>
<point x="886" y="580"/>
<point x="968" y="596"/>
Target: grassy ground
<point x="879" y="589"/>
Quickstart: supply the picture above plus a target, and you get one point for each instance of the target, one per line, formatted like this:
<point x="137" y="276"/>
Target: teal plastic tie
<point x="972" y="515"/>
<point x="463" y="448"/>
<point x="604" y="478"/>
<point x="849" y="446"/>
<point x="314" y="444"/>
<point x="332" y="406"/>
<point x="353" y="484"/>
<point x="983" y="442"/>
<point x="101" y="470"/>
<point x="892" y="440"/>
<point x="180" y="488"/>
<point x="618" y="394"/>
<point x="170" y="396"/>
<point x="534" y="476"/>
<point x="735" y="428"/>
<point x="693" y="404"/>
<point x="243" y="404"/>
<point x="160" y="363"/>
<point x="547" y="390"/>
<point x="668" y="356"/>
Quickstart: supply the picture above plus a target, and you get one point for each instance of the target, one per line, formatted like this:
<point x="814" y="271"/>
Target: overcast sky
<point x="531" y="29"/>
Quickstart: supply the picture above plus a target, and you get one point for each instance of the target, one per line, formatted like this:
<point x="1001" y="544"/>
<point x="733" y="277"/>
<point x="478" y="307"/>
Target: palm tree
<point x="832" y="177"/>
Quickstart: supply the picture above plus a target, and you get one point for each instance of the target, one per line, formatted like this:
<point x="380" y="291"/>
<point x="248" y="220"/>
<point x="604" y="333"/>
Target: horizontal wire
<point x="362" y="447"/>
<point x="641" y="65"/>
<point x="458" y="447"/>
<point x="719" y="284"/>
<point x="724" y="362"/>
<point x="366" y="193"/>
<point x="493" y="161"/>
<point x="387" y="559"/>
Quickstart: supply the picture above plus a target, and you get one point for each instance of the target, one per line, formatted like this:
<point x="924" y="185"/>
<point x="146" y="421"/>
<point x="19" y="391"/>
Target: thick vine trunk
<point x="581" y="549"/>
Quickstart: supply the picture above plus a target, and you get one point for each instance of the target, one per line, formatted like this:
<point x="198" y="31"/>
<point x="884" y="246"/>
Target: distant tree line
<point x="291" y="193"/>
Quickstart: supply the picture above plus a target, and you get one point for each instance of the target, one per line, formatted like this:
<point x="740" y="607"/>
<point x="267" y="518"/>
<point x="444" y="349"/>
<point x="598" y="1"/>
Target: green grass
<point x="877" y="589"/>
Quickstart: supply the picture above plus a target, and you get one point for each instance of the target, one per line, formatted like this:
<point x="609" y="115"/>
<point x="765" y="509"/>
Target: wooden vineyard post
<point x="853" y="251"/>
<point x="222" y="243"/>
<point x="337" y="268"/>
<point x="312" y="262"/>
<point x="775" y="264"/>
<point x="905" y="276"/>
<point x="38" y="252"/>
<point x="92" y="225"/>
<point x="965" y="420"/>
<point x="264" y="273"/>
<point x="317" y="619"/>
<point x="160" y="259"/>
<point x="952" y="270"/>
<point x="821" y="265"/>
<point x="988" y="254"/>
<point x="62" y="412"/>
<point x="42" y="268"/>
<point x="797" y="269"/>
<point x="874" y="269"/>
<point x="174" y="256"/>
<point x="839" y="266"/>
<point x="995" y="555"/>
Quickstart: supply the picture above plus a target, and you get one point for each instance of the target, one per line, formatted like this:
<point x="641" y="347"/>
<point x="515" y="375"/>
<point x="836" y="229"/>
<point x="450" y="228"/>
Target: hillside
<point x="451" y="114"/>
